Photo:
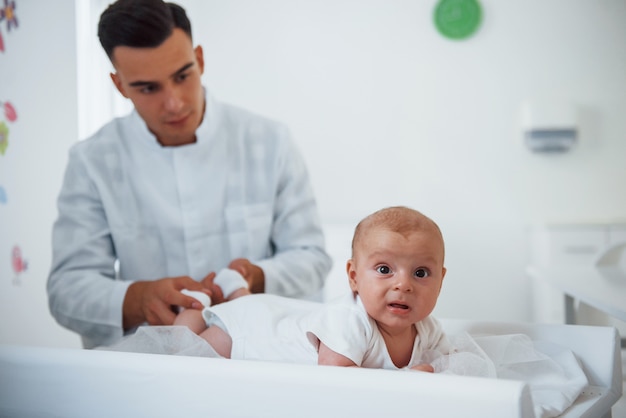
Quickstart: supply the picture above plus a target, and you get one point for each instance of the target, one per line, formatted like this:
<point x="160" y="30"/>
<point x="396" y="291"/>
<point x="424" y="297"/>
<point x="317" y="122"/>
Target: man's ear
<point x="118" y="84"/>
<point x="199" y="58"/>
<point x="351" y="270"/>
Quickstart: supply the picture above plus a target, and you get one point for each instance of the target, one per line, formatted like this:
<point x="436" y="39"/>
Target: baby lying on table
<point x="395" y="274"/>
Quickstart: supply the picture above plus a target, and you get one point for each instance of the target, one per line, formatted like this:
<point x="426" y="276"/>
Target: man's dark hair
<point x="140" y="24"/>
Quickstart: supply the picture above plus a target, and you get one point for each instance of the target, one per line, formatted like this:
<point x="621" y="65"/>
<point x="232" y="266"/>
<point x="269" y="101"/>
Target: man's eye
<point x="421" y="273"/>
<point x="383" y="269"/>
<point x="181" y="77"/>
<point x="148" y="89"/>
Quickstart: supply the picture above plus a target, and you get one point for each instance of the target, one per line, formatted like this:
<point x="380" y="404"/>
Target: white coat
<point x="242" y="190"/>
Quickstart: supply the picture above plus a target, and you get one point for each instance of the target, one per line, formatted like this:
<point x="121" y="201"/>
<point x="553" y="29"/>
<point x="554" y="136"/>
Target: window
<point x="98" y="99"/>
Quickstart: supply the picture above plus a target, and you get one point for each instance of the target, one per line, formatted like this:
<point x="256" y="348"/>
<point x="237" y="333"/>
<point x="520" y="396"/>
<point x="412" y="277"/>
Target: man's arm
<point x="84" y="293"/>
<point x="300" y="263"/>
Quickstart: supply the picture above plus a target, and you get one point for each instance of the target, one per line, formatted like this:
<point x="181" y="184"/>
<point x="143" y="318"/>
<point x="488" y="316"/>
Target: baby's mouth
<point x="397" y="305"/>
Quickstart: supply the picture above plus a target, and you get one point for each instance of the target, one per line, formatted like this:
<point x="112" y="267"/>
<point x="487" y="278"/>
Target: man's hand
<point x="154" y="301"/>
<point x="251" y="272"/>
<point x="217" y="296"/>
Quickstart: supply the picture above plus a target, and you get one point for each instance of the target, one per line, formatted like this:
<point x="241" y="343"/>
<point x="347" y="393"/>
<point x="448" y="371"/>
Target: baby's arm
<point x="327" y="357"/>
<point x="424" y="367"/>
<point x="439" y="343"/>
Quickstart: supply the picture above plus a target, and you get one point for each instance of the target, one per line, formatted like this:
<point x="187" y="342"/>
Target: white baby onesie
<point x="275" y="328"/>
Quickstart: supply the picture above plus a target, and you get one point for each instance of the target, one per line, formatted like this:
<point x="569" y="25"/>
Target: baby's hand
<point x="424" y="367"/>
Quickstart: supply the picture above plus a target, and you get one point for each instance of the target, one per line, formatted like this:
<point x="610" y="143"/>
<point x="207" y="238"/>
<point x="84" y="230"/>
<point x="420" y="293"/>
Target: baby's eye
<point x="421" y="273"/>
<point x="383" y="269"/>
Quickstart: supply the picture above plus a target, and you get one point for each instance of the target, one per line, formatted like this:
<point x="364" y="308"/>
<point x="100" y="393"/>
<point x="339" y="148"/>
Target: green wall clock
<point x="457" y="19"/>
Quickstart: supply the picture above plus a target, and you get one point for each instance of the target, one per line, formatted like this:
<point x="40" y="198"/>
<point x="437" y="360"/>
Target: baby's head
<point x="398" y="219"/>
<point x="397" y="266"/>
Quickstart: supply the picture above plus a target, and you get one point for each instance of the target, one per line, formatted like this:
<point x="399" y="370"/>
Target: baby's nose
<point x="403" y="283"/>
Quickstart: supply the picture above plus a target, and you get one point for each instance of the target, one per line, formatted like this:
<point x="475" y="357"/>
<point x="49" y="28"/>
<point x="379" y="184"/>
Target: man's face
<point x="164" y="85"/>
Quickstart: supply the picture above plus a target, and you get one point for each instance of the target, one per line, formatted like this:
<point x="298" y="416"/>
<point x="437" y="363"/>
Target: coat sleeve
<point x="83" y="294"/>
<point x="300" y="263"/>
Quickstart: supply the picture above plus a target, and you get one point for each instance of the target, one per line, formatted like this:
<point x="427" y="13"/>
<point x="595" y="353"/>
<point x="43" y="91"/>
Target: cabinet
<point x="584" y="263"/>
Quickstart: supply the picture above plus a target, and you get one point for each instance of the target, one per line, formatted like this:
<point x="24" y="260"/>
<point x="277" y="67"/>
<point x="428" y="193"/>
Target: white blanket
<point x="553" y="373"/>
<point x="172" y="340"/>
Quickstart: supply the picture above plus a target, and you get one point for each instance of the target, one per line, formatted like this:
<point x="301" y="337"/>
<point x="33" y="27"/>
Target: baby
<point x="395" y="274"/>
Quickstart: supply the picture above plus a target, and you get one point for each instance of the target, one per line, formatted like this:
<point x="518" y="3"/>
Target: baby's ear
<point x="443" y="274"/>
<point x="351" y="270"/>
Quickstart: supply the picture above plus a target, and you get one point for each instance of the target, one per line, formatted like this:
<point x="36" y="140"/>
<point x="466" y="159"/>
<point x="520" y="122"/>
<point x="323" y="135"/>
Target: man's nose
<point x="173" y="102"/>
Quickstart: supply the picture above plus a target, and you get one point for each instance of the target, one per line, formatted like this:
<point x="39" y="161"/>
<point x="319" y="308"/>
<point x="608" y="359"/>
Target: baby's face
<point x="398" y="278"/>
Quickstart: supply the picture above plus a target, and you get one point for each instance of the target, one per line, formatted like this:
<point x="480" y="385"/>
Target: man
<point x="178" y="189"/>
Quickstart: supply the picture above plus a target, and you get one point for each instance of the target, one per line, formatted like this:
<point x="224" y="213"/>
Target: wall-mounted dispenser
<point x="549" y="126"/>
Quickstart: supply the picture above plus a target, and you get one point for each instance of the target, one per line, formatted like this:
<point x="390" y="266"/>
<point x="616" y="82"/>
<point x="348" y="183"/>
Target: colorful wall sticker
<point x="10" y="115"/>
<point x="4" y="137"/>
<point x="7" y="12"/>
<point x="9" y="111"/>
<point x="20" y="265"/>
<point x="457" y="19"/>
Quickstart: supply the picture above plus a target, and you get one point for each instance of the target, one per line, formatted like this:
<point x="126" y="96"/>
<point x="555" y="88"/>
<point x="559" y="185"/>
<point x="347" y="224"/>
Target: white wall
<point x="389" y="112"/>
<point x="38" y="76"/>
<point x="386" y="111"/>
